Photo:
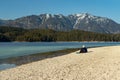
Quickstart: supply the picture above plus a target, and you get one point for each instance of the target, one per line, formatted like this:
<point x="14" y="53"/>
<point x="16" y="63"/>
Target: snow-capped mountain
<point x="93" y="23"/>
<point x="83" y="21"/>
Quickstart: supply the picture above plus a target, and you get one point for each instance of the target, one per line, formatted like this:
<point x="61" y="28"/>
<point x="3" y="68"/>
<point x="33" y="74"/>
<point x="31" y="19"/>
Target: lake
<point x="12" y="49"/>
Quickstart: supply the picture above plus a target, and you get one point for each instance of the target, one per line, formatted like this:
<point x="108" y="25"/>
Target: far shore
<point x="65" y="41"/>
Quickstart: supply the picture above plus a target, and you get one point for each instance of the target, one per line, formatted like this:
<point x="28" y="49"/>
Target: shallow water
<point x="6" y="66"/>
<point x="12" y="49"/>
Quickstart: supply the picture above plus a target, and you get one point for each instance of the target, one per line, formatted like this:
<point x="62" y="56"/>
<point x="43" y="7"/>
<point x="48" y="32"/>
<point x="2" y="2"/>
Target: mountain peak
<point x="82" y="14"/>
<point x="59" y="22"/>
<point x="47" y="16"/>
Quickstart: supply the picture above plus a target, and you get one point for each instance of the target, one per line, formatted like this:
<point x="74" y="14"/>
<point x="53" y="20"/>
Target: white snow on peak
<point x="47" y="16"/>
<point x="52" y="15"/>
<point x="60" y="16"/>
<point x="80" y="16"/>
<point x="84" y="15"/>
<point x="89" y="16"/>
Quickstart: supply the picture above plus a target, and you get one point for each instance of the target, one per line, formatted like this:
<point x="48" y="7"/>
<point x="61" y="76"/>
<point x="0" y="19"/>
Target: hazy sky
<point x="11" y="9"/>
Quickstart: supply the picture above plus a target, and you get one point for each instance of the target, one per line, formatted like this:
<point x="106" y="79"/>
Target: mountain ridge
<point x="59" y="22"/>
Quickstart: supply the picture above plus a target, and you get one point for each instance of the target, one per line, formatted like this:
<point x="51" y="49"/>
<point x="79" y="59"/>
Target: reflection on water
<point x="6" y="66"/>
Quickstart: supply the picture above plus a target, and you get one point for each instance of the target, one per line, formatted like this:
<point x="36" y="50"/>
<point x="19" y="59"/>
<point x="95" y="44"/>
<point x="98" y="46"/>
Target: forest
<point x="9" y="34"/>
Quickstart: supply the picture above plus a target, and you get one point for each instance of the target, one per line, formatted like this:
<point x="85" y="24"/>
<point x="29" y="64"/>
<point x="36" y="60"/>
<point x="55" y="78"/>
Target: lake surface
<point x="12" y="49"/>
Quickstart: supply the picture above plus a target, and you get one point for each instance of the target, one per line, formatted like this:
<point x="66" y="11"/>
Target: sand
<point x="102" y="63"/>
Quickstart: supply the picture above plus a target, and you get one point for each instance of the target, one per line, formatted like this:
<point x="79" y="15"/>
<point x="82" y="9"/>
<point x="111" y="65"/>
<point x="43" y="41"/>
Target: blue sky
<point x="11" y="9"/>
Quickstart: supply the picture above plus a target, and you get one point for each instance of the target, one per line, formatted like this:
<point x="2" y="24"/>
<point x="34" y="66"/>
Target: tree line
<point x="8" y="34"/>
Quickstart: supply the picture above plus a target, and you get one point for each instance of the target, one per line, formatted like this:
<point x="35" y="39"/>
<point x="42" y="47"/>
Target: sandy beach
<point x="102" y="63"/>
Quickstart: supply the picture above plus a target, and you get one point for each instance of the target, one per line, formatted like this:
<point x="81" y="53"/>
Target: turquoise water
<point x="12" y="49"/>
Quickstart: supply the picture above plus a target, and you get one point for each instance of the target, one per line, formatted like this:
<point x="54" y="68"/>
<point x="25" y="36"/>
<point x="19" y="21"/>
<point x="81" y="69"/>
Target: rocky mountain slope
<point x="84" y="21"/>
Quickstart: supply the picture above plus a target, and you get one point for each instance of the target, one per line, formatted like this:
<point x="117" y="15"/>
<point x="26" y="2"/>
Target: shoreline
<point x="26" y="59"/>
<point x="100" y="63"/>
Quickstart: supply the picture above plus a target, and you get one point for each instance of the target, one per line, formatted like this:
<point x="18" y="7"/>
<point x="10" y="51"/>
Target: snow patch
<point x="60" y="16"/>
<point x="80" y="16"/>
<point x="47" y="16"/>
